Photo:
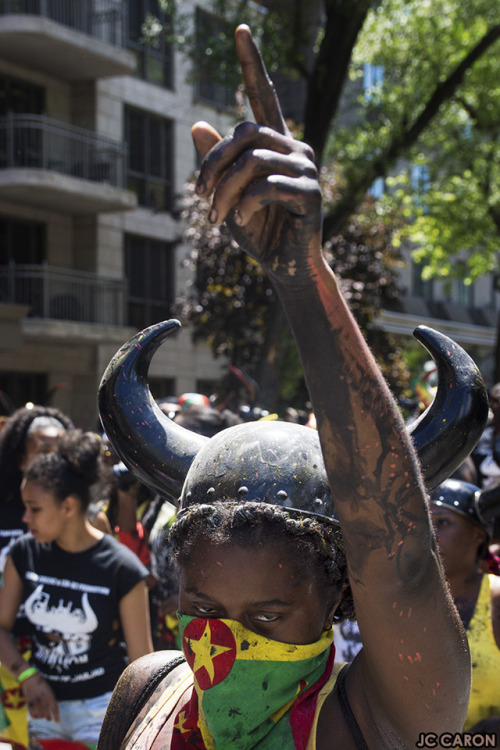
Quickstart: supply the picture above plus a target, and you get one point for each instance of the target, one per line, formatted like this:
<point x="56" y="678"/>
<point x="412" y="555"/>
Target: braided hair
<point x="319" y="546"/>
<point x="72" y="469"/>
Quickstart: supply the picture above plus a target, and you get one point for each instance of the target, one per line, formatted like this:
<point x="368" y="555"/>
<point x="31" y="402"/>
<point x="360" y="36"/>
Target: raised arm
<point x="413" y="674"/>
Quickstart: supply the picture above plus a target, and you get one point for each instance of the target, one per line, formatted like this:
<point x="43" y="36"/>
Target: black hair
<point x="318" y="546"/>
<point x="71" y="469"/>
<point x="205" y="420"/>
<point x="13" y="439"/>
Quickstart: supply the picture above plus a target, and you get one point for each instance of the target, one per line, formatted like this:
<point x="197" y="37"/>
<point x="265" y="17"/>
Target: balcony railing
<point x="101" y="19"/>
<point x="37" y="142"/>
<point x="64" y="294"/>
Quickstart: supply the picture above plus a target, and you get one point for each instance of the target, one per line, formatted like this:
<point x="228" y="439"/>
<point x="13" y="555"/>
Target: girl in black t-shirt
<point x="83" y="593"/>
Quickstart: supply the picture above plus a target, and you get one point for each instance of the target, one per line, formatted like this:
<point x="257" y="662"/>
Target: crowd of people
<point x="57" y="483"/>
<point x="215" y="553"/>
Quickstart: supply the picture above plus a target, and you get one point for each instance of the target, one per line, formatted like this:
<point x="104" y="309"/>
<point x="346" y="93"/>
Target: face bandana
<point x="250" y="691"/>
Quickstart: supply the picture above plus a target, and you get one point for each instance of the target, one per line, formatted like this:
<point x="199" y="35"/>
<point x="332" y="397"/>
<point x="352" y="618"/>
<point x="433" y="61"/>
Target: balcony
<point x="73" y="40"/>
<point x="56" y="166"/>
<point x="63" y="294"/>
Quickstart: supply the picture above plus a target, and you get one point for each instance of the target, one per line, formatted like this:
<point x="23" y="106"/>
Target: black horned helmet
<point x="480" y="506"/>
<point x="274" y="462"/>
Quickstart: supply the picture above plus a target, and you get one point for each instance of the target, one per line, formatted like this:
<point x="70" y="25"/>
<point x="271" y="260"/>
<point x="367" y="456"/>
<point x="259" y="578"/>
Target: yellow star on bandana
<point x="179" y="724"/>
<point x="205" y="652"/>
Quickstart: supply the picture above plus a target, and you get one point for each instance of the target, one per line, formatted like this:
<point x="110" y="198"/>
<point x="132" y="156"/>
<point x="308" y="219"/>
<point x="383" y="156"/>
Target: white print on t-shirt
<point x="347" y="640"/>
<point x="66" y="584"/>
<point x="10" y="535"/>
<point x="97" y="672"/>
<point x="68" y="629"/>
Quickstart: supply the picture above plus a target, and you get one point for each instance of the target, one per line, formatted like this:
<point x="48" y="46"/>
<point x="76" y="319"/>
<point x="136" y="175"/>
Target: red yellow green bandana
<point x="250" y="691"/>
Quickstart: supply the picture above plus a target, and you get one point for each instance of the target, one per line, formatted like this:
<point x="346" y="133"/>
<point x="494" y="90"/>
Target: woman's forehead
<point x="442" y="511"/>
<point x="243" y="573"/>
<point x="232" y="551"/>
<point x="272" y="558"/>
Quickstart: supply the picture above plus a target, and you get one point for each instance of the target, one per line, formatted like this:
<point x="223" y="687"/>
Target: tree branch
<point x="404" y="138"/>
<point x="444" y="91"/>
<point x="344" y="21"/>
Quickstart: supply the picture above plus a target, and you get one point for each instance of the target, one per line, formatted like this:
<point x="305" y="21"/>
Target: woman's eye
<point x="204" y="610"/>
<point x="266" y="618"/>
<point x="441" y="522"/>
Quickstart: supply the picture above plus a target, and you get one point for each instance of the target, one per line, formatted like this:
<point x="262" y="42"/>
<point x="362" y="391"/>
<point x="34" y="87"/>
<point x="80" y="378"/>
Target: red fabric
<point x="62" y="745"/>
<point x="304" y="709"/>
<point x="136" y="542"/>
<point x="492" y="563"/>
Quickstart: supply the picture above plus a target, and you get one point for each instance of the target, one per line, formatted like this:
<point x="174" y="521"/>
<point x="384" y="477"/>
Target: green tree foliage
<point x="454" y="223"/>
<point x="452" y="218"/>
<point x="437" y="102"/>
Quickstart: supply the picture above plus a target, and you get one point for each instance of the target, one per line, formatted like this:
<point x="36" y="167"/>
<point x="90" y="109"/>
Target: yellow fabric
<point x="485" y="657"/>
<point x="325" y="691"/>
<point x="155" y="729"/>
<point x="16" y="713"/>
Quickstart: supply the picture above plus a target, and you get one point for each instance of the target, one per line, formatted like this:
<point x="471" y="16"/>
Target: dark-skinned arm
<point x="413" y="673"/>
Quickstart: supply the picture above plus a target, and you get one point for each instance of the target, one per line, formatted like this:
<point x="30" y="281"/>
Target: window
<point x="150" y="148"/>
<point x="21" y="241"/>
<point x="210" y="86"/>
<point x="377" y="188"/>
<point x="149" y="270"/>
<point x="21" y="145"/>
<point x="419" y="286"/>
<point x="420" y="178"/>
<point x="420" y="183"/>
<point x="154" y="56"/>
<point x="373" y="78"/>
<point x="21" y="387"/>
<point x="462" y="294"/>
<point x="20" y="97"/>
<point x="161" y="387"/>
<point x="206" y="386"/>
<point x="494" y="289"/>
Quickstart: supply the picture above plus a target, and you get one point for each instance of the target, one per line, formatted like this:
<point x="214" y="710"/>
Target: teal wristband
<point x="26" y="674"/>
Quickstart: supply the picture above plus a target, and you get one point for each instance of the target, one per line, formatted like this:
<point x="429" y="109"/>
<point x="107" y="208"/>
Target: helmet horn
<point x="447" y="431"/>
<point x="155" y="449"/>
<point x="160" y="452"/>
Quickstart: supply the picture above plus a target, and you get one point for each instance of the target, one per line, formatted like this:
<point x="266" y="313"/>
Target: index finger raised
<point x="259" y="87"/>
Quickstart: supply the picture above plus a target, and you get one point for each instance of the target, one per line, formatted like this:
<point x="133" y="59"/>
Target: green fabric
<point x="246" y="683"/>
<point x="4" y="721"/>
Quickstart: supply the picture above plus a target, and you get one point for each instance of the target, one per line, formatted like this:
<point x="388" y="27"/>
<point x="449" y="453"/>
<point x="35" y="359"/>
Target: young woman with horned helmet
<point x="277" y="536"/>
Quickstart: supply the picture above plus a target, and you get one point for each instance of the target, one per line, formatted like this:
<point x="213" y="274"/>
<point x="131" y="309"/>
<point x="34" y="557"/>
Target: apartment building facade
<point x="95" y="145"/>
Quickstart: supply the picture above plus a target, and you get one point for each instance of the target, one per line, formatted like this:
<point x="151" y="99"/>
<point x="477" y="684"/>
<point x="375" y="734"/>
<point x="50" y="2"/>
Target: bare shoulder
<point x="353" y="719"/>
<point x="138" y="687"/>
